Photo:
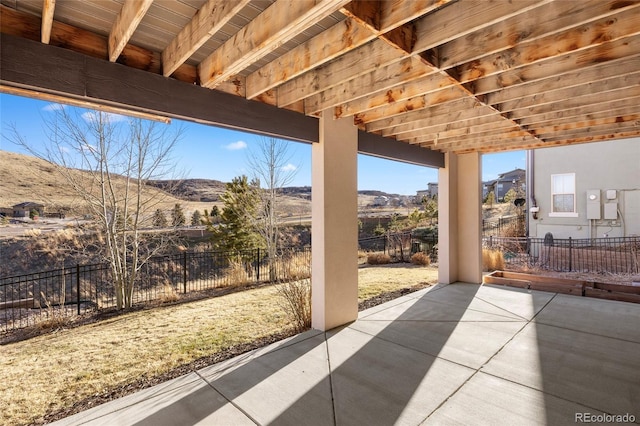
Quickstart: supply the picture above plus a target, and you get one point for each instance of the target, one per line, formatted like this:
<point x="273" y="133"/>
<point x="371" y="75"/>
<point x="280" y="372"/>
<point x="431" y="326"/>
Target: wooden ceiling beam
<point x="48" y="8"/>
<point x="600" y="129"/>
<point x="362" y="60"/>
<point x="512" y="145"/>
<point x="462" y="136"/>
<point x="574" y="78"/>
<point x="389" y="25"/>
<point x="464" y="17"/>
<point x="593" y="123"/>
<point x="605" y="110"/>
<point x="576" y="102"/>
<point x="491" y="139"/>
<point x="410" y="119"/>
<point x="411" y="95"/>
<point x="337" y="40"/>
<point x="615" y="106"/>
<point x="76" y="39"/>
<point x="377" y="80"/>
<point x="392" y="102"/>
<point x="559" y="95"/>
<point x="503" y="35"/>
<point x="601" y="32"/>
<point x="574" y="61"/>
<point x="456" y="128"/>
<point x="125" y="24"/>
<point x="274" y="26"/>
<point x="207" y="21"/>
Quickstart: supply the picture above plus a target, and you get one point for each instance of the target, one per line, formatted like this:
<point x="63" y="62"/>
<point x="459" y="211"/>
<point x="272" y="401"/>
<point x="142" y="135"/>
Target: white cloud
<point x="235" y="146"/>
<point x="92" y="116"/>
<point x="53" y="107"/>
<point x="289" y="168"/>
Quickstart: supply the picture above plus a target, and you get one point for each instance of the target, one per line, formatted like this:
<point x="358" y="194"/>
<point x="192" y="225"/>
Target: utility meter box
<point x="611" y="211"/>
<point x="593" y="204"/>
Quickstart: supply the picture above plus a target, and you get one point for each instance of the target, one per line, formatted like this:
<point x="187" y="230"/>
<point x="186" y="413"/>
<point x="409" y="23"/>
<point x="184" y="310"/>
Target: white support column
<point x="460" y="219"/>
<point x="334" y="224"/>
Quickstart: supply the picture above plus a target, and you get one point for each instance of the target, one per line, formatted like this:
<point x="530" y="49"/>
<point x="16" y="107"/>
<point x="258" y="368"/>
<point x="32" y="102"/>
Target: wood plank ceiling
<point x="457" y="76"/>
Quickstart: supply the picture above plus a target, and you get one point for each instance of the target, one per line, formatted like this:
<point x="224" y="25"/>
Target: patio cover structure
<point x="435" y="83"/>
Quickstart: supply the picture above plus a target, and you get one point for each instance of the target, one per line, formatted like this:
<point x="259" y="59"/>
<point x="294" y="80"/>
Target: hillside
<point x="204" y="190"/>
<point x="26" y="178"/>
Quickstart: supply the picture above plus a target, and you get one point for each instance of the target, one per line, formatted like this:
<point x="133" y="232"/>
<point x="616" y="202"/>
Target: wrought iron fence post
<point x="258" y="264"/>
<point x="570" y="254"/>
<point x="184" y="271"/>
<point x="78" y="285"/>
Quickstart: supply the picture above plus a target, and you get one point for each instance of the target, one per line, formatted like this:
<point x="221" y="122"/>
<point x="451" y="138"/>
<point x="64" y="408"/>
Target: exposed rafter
<point x="48" y="8"/>
<point x="207" y="21"/>
<point x="276" y="25"/>
<point x="125" y="24"/>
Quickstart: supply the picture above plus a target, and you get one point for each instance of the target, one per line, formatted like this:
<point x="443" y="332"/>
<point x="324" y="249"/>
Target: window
<point x="563" y="195"/>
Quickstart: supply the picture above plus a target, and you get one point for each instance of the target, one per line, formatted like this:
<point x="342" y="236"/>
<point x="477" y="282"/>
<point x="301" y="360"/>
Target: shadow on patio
<point x="453" y="354"/>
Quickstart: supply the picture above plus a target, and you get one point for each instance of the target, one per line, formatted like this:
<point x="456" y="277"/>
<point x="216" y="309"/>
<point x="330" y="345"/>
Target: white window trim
<point x="563" y="214"/>
<point x="574" y="213"/>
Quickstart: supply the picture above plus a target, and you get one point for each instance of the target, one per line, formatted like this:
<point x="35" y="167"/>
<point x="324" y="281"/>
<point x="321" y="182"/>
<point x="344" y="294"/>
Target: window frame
<point x="573" y="213"/>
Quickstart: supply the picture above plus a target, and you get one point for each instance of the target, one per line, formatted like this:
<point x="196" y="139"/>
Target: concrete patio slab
<point x="596" y="371"/>
<point x="427" y="309"/>
<point x="605" y="317"/>
<point x="488" y="400"/>
<point x="456" y="354"/>
<point x="376" y="382"/>
<point x="514" y="303"/>
<point x="468" y="343"/>
<point x="184" y="400"/>
<point x="521" y="302"/>
<point x="406" y="298"/>
<point x="288" y="385"/>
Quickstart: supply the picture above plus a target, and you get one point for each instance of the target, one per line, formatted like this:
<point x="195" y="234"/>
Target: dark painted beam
<point x="38" y="67"/>
<point x="35" y="66"/>
<point x="378" y="146"/>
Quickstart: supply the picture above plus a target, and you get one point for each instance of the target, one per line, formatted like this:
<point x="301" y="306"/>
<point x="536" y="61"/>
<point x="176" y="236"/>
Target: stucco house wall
<point x="607" y="171"/>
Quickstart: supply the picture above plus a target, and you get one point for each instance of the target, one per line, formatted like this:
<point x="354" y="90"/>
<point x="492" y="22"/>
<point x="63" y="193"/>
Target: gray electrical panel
<point x="593" y="204"/>
<point x="611" y="211"/>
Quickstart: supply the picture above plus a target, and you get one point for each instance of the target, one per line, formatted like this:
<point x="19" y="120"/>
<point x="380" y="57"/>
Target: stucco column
<point x="334" y="224"/>
<point x="460" y="219"/>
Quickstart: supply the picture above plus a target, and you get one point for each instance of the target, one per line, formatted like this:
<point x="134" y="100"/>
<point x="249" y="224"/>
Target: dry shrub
<point x="55" y="317"/>
<point x="237" y="274"/>
<point x="295" y="300"/>
<point x="296" y="266"/>
<point x="492" y="260"/>
<point x="169" y="294"/>
<point x="378" y="259"/>
<point x="421" y="258"/>
<point x="33" y="232"/>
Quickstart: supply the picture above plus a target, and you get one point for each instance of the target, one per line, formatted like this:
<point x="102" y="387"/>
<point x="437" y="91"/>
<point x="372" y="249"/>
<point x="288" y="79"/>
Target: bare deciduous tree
<point x="108" y="159"/>
<point x="271" y="167"/>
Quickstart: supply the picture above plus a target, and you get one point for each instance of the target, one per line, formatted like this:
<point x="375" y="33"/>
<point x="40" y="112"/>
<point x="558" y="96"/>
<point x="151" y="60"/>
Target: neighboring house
<point x="431" y="191"/>
<point x="380" y="200"/>
<point x="514" y="179"/>
<point x="24" y="209"/>
<point x="586" y="191"/>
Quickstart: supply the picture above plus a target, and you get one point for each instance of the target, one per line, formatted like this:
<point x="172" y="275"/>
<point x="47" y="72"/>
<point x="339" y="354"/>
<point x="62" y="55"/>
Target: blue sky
<point x="215" y="153"/>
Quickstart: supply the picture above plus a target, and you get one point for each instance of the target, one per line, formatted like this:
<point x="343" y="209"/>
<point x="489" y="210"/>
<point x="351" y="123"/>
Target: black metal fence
<point x="29" y="299"/>
<point x="400" y="246"/>
<point x="514" y="225"/>
<point x="592" y="255"/>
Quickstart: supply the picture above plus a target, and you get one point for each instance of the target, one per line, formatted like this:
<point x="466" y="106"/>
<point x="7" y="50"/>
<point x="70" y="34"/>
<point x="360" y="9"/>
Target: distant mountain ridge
<point x="27" y="178"/>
